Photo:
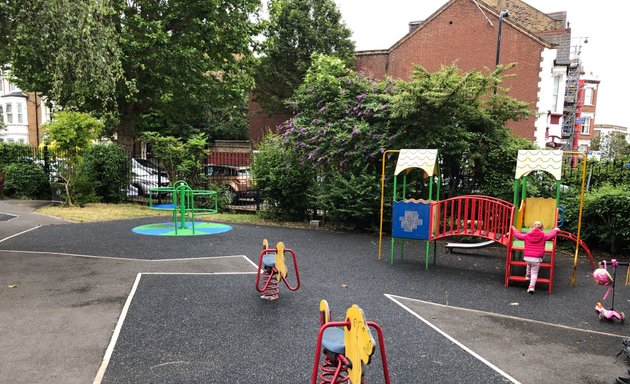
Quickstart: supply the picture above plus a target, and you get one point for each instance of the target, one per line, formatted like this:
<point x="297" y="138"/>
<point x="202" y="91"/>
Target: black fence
<point x="598" y="173"/>
<point x="230" y="172"/>
<point x="227" y="173"/>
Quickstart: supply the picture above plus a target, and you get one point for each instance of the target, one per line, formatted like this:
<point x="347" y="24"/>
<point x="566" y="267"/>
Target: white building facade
<point x="22" y="114"/>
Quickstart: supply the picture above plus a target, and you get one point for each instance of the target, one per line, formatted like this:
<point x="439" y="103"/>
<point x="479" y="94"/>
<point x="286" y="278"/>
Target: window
<point x="586" y="126"/>
<point x="588" y="96"/>
<point x="10" y="140"/>
<point x="1" y="114"/>
<point x="9" y="109"/>
<point x="556" y="91"/>
<point x="20" y="116"/>
<point x="21" y="141"/>
<point x="13" y="87"/>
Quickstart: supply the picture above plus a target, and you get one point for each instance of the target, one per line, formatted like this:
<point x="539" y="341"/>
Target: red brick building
<point x="465" y="32"/>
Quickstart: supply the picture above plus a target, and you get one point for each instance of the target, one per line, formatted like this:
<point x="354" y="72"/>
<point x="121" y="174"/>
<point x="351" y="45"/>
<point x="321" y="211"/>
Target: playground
<point x="101" y="303"/>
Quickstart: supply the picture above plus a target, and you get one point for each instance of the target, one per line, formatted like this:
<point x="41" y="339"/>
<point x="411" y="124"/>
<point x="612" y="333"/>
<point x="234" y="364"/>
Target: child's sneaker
<point x="530" y="290"/>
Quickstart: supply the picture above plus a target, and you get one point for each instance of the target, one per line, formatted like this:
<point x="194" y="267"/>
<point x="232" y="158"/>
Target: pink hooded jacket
<point x="534" y="241"/>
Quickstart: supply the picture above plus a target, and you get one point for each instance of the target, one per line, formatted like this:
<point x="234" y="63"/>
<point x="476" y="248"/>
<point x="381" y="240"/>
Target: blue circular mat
<point x="168" y="229"/>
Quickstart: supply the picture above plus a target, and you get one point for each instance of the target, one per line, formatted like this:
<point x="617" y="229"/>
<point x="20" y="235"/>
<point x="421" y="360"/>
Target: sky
<point x="378" y="24"/>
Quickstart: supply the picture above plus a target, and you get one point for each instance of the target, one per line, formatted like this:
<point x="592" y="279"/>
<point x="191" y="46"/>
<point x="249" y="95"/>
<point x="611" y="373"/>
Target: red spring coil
<point x="271" y="292"/>
<point x="331" y="366"/>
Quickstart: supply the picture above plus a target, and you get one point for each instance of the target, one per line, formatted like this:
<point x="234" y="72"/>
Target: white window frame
<point x="8" y="107"/>
<point x="586" y="127"/>
<point x="556" y="91"/>
<point x="589" y="92"/>
<point x="19" y="113"/>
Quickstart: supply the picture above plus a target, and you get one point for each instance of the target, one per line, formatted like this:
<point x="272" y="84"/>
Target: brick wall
<point x="260" y="123"/>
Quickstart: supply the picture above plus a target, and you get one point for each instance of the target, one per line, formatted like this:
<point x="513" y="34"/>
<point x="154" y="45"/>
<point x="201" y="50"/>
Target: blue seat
<point x="332" y="340"/>
<point x="269" y="260"/>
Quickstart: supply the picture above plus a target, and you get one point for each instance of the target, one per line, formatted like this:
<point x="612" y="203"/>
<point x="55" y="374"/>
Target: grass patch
<point x="108" y="212"/>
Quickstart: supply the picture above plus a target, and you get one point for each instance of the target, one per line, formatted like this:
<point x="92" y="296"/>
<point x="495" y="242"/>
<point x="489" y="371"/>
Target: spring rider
<point x="347" y="346"/>
<point x="271" y="263"/>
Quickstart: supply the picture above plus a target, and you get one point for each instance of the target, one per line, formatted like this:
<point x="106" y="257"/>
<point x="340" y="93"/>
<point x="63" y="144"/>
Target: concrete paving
<point x="96" y="303"/>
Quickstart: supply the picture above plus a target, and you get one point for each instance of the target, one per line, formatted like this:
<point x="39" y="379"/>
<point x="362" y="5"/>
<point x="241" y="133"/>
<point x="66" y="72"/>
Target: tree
<point x="70" y="133"/>
<point x="181" y="159"/>
<point x="65" y="49"/>
<point x="179" y="67"/>
<point x="344" y="121"/>
<point x="296" y="29"/>
<point x="611" y="146"/>
<point x="459" y="114"/>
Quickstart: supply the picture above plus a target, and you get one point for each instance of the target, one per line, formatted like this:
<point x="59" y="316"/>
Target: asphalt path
<point x="96" y="303"/>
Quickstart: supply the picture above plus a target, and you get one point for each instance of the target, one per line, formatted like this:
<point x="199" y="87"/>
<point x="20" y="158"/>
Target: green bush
<point x="26" y="181"/>
<point x="223" y="198"/>
<point x="14" y="153"/>
<point x="350" y="199"/>
<point x="106" y="166"/>
<point x="282" y="180"/>
<point x="83" y="190"/>
<point x="605" y="219"/>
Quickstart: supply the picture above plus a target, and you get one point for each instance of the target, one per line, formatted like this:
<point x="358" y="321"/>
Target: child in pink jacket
<point x="534" y="250"/>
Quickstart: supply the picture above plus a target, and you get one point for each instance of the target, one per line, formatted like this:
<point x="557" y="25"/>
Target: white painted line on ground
<point x="254" y="264"/>
<point x="198" y="273"/>
<point x="119" y="258"/>
<point x="19" y="233"/>
<point x="462" y="346"/>
<point x="510" y="317"/>
<point x="112" y="343"/>
<point x="9" y="214"/>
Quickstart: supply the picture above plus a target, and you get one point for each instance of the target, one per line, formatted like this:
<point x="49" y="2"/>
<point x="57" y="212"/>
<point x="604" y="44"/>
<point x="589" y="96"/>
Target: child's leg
<point x="534" y="273"/>
<point x="528" y="271"/>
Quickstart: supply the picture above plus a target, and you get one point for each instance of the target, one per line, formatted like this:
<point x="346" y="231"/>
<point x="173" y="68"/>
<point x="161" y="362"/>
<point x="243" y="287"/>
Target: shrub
<point x="25" y="181"/>
<point x="282" y="180"/>
<point x="605" y="220"/>
<point x="14" y="153"/>
<point x="106" y="166"/>
<point x="350" y="199"/>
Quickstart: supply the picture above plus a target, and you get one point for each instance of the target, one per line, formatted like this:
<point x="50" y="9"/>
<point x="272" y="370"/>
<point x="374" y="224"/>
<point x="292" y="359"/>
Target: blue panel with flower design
<point x="411" y="219"/>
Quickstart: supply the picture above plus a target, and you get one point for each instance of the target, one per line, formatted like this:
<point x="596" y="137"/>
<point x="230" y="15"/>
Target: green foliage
<point x="223" y="198"/>
<point x="350" y="199"/>
<point x="25" y="181"/>
<point x="106" y="168"/>
<point x="14" y="153"/>
<point x="342" y="117"/>
<point x="598" y="173"/>
<point x="177" y="66"/>
<point x="344" y="121"/>
<point x="611" y="146"/>
<point x="296" y="30"/>
<point x="605" y="219"/>
<point x="66" y="49"/>
<point x="71" y="133"/>
<point x="496" y="170"/>
<point x="185" y="160"/>
<point x="282" y="179"/>
<point x="460" y="115"/>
